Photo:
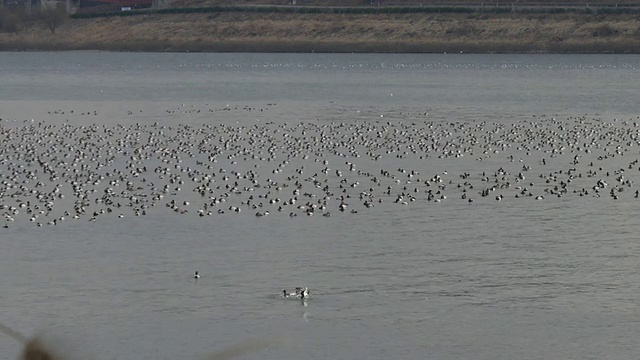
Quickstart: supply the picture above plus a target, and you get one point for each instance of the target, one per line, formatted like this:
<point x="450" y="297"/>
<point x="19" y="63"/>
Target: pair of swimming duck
<point x="299" y="292"/>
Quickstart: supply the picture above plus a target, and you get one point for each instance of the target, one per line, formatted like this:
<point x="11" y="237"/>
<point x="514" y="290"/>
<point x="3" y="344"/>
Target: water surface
<point x="510" y="279"/>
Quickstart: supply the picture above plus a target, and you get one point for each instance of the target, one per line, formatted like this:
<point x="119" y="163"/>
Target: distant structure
<point x="30" y="5"/>
<point x="76" y="6"/>
<point x="15" y="4"/>
<point x="79" y="6"/>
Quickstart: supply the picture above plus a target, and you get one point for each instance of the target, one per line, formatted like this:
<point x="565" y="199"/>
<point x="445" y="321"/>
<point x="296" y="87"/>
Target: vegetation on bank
<point x="242" y="31"/>
<point x="15" y="20"/>
<point x="427" y="9"/>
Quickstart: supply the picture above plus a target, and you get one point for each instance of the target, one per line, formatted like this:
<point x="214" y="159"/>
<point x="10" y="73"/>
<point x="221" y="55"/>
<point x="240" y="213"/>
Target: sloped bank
<point x="270" y="32"/>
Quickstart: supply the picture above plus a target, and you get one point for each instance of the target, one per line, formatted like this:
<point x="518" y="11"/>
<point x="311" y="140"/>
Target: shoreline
<point x="308" y="47"/>
<point x="323" y="33"/>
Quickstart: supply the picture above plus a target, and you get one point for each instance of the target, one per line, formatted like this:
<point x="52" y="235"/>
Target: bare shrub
<point x="52" y="17"/>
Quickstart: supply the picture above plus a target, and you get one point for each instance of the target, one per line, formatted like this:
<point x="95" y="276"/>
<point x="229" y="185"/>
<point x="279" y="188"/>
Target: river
<point x="489" y="204"/>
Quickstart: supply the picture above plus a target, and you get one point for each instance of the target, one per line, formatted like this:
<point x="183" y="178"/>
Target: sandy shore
<point x="265" y="32"/>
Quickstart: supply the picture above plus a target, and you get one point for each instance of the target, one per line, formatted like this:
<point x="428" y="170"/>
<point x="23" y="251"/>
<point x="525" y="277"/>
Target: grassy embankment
<point x="322" y="32"/>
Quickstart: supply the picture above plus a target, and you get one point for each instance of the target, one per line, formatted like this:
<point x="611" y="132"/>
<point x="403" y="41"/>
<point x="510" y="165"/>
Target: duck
<point x="302" y="293"/>
<point x="196" y="275"/>
<point x="299" y="292"/>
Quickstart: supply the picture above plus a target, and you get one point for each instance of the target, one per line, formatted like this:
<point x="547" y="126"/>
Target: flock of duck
<point x="52" y="172"/>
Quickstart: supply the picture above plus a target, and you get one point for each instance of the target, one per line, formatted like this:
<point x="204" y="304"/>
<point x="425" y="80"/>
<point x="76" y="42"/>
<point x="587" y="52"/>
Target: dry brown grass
<point x="341" y="33"/>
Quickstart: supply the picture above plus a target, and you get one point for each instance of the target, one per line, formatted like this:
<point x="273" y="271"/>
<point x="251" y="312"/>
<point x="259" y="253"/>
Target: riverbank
<point x="268" y="32"/>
